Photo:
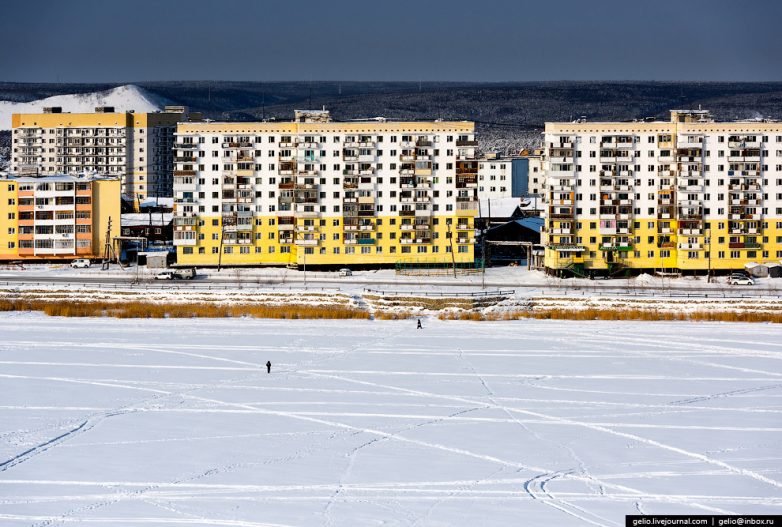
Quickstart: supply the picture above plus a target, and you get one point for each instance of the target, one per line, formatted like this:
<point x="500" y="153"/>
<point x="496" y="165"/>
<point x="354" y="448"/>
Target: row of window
<point x="652" y="225"/>
<point x="322" y="250"/>
<point x="317" y="139"/>
<point x="336" y="208"/>
<point x="701" y="255"/>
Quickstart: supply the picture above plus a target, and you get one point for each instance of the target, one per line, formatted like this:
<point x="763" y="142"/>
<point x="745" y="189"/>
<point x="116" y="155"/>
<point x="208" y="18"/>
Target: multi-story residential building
<point x="689" y="194"/>
<point x="317" y="192"/>
<point x="506" y="177"/>
<point x="536" y="182"/>
<point x="57" y="217"/>
<point x="499" y="177"/>
<point x="136" y="147"/>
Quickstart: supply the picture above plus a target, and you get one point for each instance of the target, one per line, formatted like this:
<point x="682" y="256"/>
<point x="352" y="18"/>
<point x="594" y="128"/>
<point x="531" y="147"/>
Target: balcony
<point x="621" y="247"/>
<point x="307" y="213"/>
<point x="744" y="144"/>
<point x="307" y="242"/>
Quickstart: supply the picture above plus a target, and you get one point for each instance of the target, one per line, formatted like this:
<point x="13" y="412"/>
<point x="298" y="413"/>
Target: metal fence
<point x="442" y="294"/>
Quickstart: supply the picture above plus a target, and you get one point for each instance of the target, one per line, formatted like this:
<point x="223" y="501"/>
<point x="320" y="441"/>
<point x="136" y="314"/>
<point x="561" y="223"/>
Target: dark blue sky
<point x="460" y="40"/>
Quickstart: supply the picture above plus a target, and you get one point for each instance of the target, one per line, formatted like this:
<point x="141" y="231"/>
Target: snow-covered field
<point x="152" y="422"/>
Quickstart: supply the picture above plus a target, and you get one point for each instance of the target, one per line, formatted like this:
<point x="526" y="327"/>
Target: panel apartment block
<point x="318" y="192"/>
<point x="57" y="217"/>
<point x="136" y="147"/>
<point x="691" y="194"/>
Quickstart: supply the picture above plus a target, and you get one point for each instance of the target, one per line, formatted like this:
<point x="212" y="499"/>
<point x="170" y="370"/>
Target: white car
<point x="165" y="275"/>
<point x="81" y="263"/>
<point x="345" y="272"/>
<point x="740" y="279"/>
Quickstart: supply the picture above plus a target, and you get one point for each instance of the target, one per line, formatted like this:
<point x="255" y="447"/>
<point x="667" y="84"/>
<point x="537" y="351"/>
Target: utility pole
<point x="108" y="250"/>
<point x="300" y="236"/>
<point x="708" y="238"/>
<point x="450" y="239"/>
<point x="483" y="259"/>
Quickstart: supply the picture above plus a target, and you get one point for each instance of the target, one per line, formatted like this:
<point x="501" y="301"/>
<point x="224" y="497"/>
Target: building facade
<point x="136" y="147"/>
<point x="536" y="181"/>
<point x="689" y="194"/>
<point x="317" y="192"/>
<point x="495" y="178"/>
<point x="57" y="217"/>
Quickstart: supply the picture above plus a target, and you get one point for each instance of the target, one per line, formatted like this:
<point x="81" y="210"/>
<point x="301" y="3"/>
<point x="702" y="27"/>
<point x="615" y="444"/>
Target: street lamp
<point x="708" y="240"/>
<point x="300" y="236"/>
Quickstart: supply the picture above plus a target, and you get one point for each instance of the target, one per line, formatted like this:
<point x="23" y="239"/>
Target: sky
<point x="414" y="40"/>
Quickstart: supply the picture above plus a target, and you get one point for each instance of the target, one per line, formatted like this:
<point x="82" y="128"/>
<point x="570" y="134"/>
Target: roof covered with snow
<point x="55" y="178"/>
<point x="499" y="207"/>
<point x="534" y="223"/>
<point x="157" y="202"/>
<point x="138" y="219"/>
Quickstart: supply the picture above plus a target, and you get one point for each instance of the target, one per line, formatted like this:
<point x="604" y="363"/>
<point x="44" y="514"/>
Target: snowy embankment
<point x="176" y="422"/>
<point x="489" y="305"/>
<point x="508" y="292"/>
<point x="122" y="98"/>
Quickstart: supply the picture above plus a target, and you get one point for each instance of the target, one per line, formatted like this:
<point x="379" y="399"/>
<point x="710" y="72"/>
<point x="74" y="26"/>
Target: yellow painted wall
<point x="9" y="191"/>
<point x="382" y="235"/>
<point x="107" y="120"/>
<point x="679" y="258"/>
<point x="105" y="205"/>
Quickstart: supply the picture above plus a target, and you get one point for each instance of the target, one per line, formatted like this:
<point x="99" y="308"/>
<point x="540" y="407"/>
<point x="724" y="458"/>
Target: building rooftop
<point x="56" y="177"/>
<point x="139" y="219"/>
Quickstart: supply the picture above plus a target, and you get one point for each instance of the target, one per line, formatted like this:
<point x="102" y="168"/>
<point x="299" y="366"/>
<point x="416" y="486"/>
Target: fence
<point x="437" y="268"/>
<point x="167" y="286"/>
<point x="476" y="294"/>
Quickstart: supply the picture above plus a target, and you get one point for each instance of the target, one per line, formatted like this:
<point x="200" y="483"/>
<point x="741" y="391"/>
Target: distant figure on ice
<point x="419" y="324"/>
<point x="268" y="366"/>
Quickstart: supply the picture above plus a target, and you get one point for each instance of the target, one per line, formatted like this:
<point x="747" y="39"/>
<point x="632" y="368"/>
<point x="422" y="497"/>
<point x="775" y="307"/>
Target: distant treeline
<point x="509" y="116"/>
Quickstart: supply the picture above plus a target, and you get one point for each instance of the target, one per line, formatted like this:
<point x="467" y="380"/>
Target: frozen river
<point x="149" y="422"/>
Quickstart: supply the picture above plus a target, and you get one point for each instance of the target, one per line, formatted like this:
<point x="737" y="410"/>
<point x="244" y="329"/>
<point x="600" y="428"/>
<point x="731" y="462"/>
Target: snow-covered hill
<point x="122" y="98"/>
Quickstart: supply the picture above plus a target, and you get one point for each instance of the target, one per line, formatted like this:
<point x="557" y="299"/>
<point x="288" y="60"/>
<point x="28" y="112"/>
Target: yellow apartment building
<point x="57" y="217"/>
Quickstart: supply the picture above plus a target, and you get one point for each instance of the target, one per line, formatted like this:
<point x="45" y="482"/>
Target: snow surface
<point x="122" y="98"/>
<point x="149" y="422"/>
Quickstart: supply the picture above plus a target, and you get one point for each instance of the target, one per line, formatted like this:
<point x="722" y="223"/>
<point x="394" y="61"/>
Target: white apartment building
<point x="685" y="194"/>
<point x="495" y="178"/>
<point x="318" y="192"/>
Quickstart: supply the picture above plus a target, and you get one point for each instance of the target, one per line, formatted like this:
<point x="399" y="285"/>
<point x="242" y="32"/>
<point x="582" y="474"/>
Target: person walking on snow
<point x="268" y="366"/>
<point x="419" y="324"/>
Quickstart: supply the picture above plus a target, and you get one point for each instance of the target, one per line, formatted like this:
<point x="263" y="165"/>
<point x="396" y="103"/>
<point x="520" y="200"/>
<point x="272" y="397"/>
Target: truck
<point x="185" y="273"/>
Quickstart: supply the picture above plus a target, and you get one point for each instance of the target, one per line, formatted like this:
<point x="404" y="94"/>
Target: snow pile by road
<point x="152" y="422"/>
<point x="122" y="98"/>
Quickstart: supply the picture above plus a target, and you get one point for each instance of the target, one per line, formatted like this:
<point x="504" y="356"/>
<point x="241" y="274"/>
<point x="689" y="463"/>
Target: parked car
<point x="186" y="273"/>
<point x="740" y="279"/>
<point x="81" y="263"/>
<point x="345" y="272"/>
<point x="165" y="275"/>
